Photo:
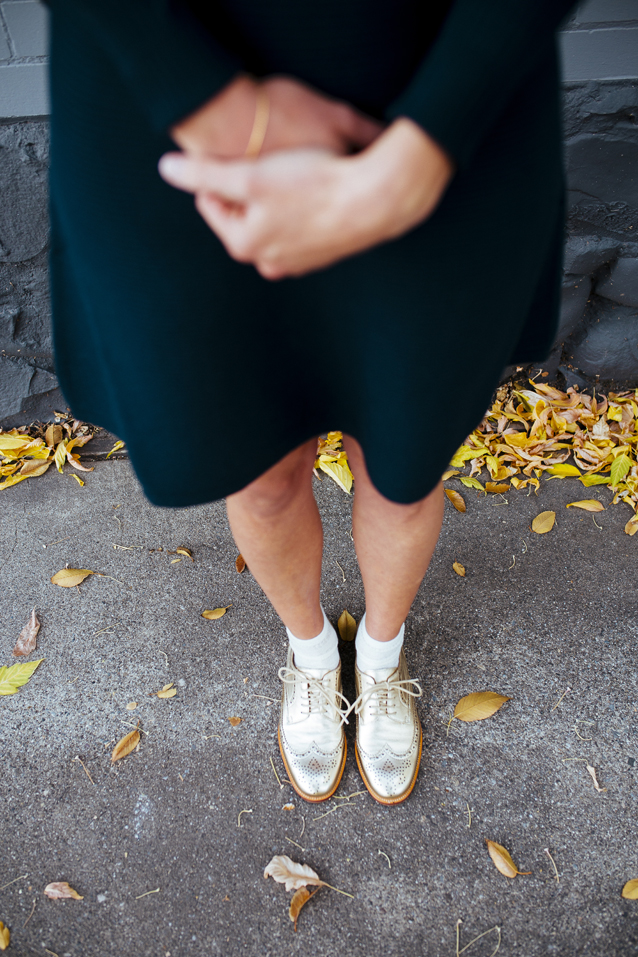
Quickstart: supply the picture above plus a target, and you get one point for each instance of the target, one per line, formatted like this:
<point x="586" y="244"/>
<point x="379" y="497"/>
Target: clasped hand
<point x="307" y="201"/>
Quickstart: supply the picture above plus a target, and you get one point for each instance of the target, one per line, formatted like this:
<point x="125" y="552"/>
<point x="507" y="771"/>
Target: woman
<point x="371" y="157"/>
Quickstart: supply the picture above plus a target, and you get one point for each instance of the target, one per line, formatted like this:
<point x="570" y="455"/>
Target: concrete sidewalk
<point x="535" y="615"/>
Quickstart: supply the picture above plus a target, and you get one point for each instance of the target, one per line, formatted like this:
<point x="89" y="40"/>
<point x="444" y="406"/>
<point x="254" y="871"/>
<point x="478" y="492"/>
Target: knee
<point x="269" y="496"/>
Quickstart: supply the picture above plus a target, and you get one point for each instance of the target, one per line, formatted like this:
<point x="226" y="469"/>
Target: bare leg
<point x="276" y="524"/>
<point x="394" y="546"/>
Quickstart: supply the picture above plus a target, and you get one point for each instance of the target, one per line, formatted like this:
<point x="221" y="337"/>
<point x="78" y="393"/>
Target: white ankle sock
<point x="320" y="653"/>
<point x="373" y="654"/>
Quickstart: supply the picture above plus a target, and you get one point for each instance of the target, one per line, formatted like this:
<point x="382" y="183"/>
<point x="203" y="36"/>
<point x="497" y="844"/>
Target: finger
<point x="364" y="130"/>
<point x="196" y="175"/>
<point x="229" y="225"/>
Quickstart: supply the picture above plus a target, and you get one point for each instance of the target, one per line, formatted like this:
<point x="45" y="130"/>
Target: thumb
<point x="198" y="175"/>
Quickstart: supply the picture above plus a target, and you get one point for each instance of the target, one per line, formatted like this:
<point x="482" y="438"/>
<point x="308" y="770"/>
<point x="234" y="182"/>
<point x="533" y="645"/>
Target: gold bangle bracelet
<point x="260" y="124"/>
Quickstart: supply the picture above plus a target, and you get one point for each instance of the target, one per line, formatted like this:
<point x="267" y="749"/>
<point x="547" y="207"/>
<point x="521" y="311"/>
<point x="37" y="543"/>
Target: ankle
<point x="320" y="653"/>
<point x="373" y="654"/>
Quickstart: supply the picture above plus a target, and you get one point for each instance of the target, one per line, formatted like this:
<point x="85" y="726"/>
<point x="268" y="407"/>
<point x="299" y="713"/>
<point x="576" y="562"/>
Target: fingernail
<point x="171" y="165"/>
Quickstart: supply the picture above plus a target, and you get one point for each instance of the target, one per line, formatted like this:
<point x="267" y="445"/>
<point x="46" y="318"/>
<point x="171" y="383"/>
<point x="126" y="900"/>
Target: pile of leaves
<point x="332" y="459"/>
<point x="531" y="432"/>
<point x="29" y="451"/>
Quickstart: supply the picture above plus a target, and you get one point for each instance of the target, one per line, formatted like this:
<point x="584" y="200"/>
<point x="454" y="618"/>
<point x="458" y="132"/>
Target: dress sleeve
<point x="170" y="63"/>
<point x="482" y="54"/>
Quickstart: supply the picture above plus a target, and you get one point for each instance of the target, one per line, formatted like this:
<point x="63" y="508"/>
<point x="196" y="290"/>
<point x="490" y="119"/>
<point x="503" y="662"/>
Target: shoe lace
<point x="382" y="696"/>
<point x="315" y="698"/>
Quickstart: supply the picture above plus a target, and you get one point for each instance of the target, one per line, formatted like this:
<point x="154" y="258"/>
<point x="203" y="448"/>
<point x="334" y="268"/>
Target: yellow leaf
<point x="502" y="860"/>
<point x="169" y="685"/>
<point x="33" y="467"/>
<point x="60" y="455"/>
<point x="13" y="480"/>
<point x="597" y="479"/>
<point x="53" y="435"/>
<point x="68" y="577"/>
<point x="26" y="642"/>
<point x="448" y="475"/>
<point x="127" y="744"/>
<point x="562" y="471"/>
<point x="77" y="479"/>
<point x="288" y="807"/>
<point x="299" y="898"/>
<point x="286" y="871"/>
<point x="5" y="936"/>
<point x="116" y="448"/>
<point x="347" y="626"/>
<point x="588" y="504"/>
<point x="131" y="706"/>
<point x="167" y="693"/>
<point x="479" y="705"/>
<point x="186" y="552"/>
<point x="60" y="890"/>
<point x="459" y="569"/>
<point x="10" y="443"/>
<point x="235" y="721"/>
<point x="619" y="468"/>
<point x="632" y="525"/>
<point x="471" y="483"/>
<point x="17" y="675"/>
<point x="544" y="522"/>
<point x="240" y="564"/>
<point x="629" y="891"/>
<point x="496" y="487"/>
<point x="215" y="613"/>
<point x="339" y="473"/>
<point x="456" y="499"/>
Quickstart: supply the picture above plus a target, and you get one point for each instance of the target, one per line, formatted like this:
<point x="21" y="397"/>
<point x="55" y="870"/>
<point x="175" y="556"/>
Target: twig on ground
<point x="303" y="827"/>
<point x="461" y="950"/>
<point x="340" y="569"/>
<point x="146" y="893"/>
<point x="557" y="878"/>
<point x="239" y="824"/>
<point x="469" y="815"/>
<point x="274" y="769"/>
<point x="383" y="854"/>
<point x="290" y="840"/>
<point x="566" y="691"/>
<point x="78" y="758"/>
<point x="30" y="915"/>
<point x="15" y="879"/>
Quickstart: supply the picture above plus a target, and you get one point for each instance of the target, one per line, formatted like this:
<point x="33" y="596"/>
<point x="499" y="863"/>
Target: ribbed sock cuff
<point x="373" y="654"/>
<point x="320" y="653"/>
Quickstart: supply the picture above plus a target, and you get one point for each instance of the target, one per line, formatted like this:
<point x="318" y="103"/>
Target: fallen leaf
<point x="167" y="693"/>
<point x="544" y="522"/>
<point x="60" y="890"/>
<point x="629" y="891"/>
<point x="32" y="468"/>
<point x="502" y="860"/>
<point x="288" y="807"/>
<point x="619" y="468"/>
<point x="240" y="563"/>
<point x="116" y="448"/>
<point x="5" y="936"/>
<point x="472" y="483"/>
<point x="235" y="721"/>
<point x="632" y="525"/>
<point x="127" y="744"/>
<point x="479" y="705"/>
<point x="68" y="577"/>
<point x="77" y="479"/>
<point x="59" y="456"/>
<point x="456" y="499"/>
<point x="448" y="475"/>
<point x="16" y="676"/>
<point x="182" y="550"/>
<point x="588" y="504"/>
<point x="293" y="875"/>
<point x="299" y="898"/>
<point x="26" y="642"/>
<point x="347" y="626"/>
<point x="53" y="435"/>
<point x="459" y="569"/>
<point x="497" y="487"/>
<point x="215" y="613"/>
<point x="131" y="706"/>
<point x="562" y="471"/>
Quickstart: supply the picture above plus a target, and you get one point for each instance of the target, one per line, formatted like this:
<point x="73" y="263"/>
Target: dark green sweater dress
<point x="163" y="339"/>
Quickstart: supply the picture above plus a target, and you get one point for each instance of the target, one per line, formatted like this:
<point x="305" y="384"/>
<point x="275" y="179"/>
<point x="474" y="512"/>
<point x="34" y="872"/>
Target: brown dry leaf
<point x="502" y="860"/>
<point x="235" y="721"/>
<point x="53" y="435"/>
<point x="497" y="487"/>
<point x="5" y="936"/>
<point x="479" y="705"/>
<point x="632" y="525"/>
<point x="182" y="550"/>
<point x="127" y="744"/>
<point x="299" y="898"/>
<point x="288" y="807"/>
<point x="167" y="693"/>
<point x="131" y="706"/>
<point x="215" y="613"/>
<point x="32" y="468"/>
<point x="448" y="475"/>
<point x="629" y="891"/>
<point x="347" y="626"/>
<point x="240" y="563"/>
<point x="68" y="577"/>
<point x="544" y="522"/>
<point x="456" y="499"/>
<point x="60" y="890"/>
<point x="588" y="504"/>
<point x="459" y="569"/>
<point x="293" y="875"/>
<point x="27" y="638"/>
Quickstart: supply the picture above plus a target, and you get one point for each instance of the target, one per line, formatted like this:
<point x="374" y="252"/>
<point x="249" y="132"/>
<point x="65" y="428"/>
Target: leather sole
<point x="390" y="800"/>
<point x="311" y="798"/>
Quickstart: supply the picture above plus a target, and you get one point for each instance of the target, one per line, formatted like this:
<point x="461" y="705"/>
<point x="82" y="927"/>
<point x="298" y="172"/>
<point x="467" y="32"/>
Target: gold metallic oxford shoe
<point x="310" y="732"/>
<point x="389" y="739"/>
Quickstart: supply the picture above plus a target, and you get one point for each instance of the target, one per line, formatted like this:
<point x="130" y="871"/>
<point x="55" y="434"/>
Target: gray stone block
<point x="574" y="296"/>
<point x="585" y="254"/>
<point x="28" y="25"/>
<point x="15" y="379"/>
<point x="5" y="52"/>
<point x="622" y="285"/>
<point x="24" y="225"/>
<point x="603" y="168"/>
<point x="600" y="54"/>
<point x="608" y="345"/>
<point x="24" y="89"/>
<point x="606" y="11"/>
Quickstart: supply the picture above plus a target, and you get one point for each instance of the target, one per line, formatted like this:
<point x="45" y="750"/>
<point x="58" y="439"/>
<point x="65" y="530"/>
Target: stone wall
<point x="598" y="337"/>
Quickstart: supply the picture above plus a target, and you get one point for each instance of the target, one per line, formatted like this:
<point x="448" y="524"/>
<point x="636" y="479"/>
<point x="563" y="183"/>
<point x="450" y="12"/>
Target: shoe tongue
<point x="316" y="673"/>
<point x="380" y="674"/>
